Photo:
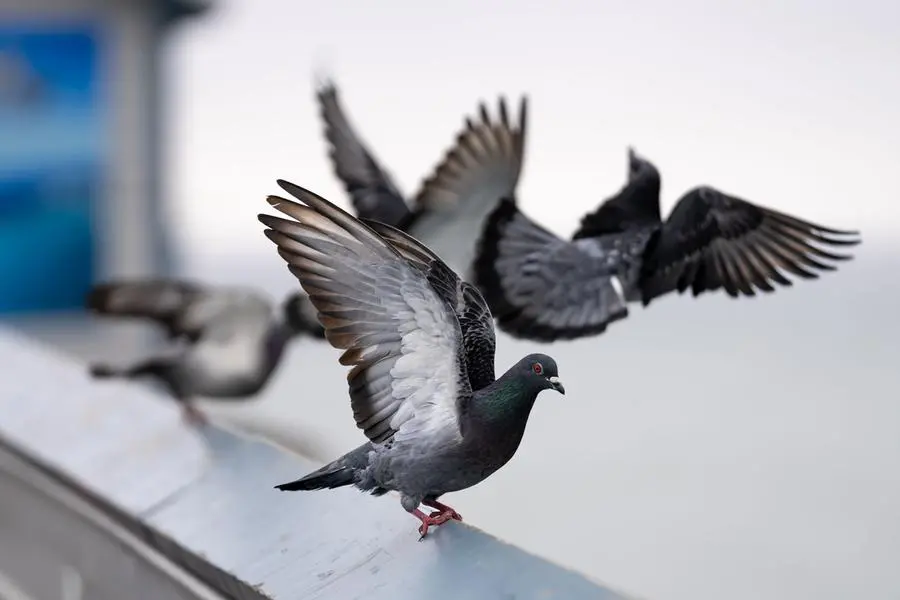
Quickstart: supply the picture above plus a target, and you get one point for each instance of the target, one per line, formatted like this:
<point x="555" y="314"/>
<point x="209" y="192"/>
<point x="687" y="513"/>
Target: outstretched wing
<point x="713" y="240"/>
<point x="543" y="288"/>
<point x="166" y="302"/>
<point x="372" y="191"/>
<point x="636" y="205"/>
<point x="482" y="167"/>
<point x="474" y="316"/>
<point x="184" y="309"/>
<point x="394" y="320"/>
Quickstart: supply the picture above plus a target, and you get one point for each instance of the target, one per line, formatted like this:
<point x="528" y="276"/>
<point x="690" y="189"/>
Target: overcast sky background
<point x="790" y="104"/>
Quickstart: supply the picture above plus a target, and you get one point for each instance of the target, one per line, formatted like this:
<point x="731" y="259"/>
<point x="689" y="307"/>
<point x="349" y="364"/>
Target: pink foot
<point x="442" y="509"/>
<point x="429" y="520"/>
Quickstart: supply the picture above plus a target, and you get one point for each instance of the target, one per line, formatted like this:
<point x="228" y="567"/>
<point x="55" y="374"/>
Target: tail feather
<point x="336" y="474"/>
<point x="320" y="480"/>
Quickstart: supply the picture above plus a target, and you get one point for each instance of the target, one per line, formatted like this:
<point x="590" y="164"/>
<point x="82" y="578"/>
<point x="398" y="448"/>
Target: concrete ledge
<point x="206" y="501"/>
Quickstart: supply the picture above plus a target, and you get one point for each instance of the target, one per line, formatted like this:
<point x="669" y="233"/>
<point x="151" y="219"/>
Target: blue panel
<point x="52" y="134"/>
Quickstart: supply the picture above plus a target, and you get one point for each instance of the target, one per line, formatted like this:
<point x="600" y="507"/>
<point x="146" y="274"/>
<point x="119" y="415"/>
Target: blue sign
<point x="52" y="151"/>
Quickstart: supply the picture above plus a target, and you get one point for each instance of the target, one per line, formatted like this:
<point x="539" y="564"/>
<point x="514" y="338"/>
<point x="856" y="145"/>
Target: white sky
<point x="793" y="104"/>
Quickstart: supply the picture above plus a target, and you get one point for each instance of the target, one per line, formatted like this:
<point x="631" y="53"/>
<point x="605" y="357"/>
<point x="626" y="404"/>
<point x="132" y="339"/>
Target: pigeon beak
<point x="557" y="385"/>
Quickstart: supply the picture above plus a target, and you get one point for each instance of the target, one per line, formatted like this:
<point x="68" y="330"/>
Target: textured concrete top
<point x="207" y="500"/>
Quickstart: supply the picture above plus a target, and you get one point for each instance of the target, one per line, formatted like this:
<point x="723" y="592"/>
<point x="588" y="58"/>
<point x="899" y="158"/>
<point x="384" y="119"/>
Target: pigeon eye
<point x="538" y="368"/>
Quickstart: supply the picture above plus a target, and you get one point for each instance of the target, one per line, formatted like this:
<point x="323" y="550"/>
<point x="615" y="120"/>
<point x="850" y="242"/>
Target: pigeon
<point x="447" y="212"/>
<point x="544" y="288"/>
<point x="421" y="343"/>
<point x="231" y="339"/>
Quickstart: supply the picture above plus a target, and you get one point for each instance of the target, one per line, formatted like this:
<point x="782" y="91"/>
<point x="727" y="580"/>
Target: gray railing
<point x="200" y="509"/>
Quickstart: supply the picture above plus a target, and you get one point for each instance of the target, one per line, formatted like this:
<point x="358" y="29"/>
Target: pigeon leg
<point x="442" y="509"/>
<point x="164" y="372"/>
<point x="428" y="520"/>
<point x="193" y="416"/>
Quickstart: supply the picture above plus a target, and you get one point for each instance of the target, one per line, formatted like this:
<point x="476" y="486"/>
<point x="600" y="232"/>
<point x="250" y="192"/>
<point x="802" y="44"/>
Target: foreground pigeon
<point x="541" y="287"/>
<point x="232" y="338"/>
<point x="421" y="344"/>
<point x="447" y="212"/>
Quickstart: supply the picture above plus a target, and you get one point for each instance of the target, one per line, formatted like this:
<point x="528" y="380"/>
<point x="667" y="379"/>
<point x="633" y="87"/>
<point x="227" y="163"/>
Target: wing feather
<point x="185" y="309"/>
<point x="372" y="189"/>
<point x="713" y="240"/>
<point x="482" y="167"/>
<point x="543" y="288"/>
<point x="476" y="322"/>
<point x="399" y="333"/>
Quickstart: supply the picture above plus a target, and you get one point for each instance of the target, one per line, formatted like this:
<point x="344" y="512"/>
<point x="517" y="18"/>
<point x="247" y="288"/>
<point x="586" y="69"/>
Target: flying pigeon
<point x="447" y="212"/>
<point x="231" y="339"/>
<point x="543" y="288"/>
<point x="421" y="344"/>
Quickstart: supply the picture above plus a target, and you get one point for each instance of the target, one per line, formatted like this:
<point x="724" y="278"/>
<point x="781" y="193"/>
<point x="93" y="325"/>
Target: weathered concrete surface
<point x="207" y="500"/>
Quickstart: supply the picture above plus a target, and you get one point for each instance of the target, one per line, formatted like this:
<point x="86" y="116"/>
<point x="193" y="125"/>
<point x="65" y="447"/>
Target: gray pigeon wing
<point x="543" y="288"/>
<point x="712" y="240"/>
<point x="475" y="320"/>
<point x="371" y="188"/>
<point x="393" y="321"/>
<point x="164" y="301"/>
<point x="482" y="167"/>
<point x="479" y="339"/>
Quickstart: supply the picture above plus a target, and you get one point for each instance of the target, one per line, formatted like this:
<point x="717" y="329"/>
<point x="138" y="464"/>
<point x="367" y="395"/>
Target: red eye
<point x="537" y="368"/>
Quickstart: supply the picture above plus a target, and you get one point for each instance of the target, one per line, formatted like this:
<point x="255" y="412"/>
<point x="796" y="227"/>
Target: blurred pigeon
<point x="544" y="288"/>
<point x="232" y="339"/>
<point x="449" y="209"/>
<point x="421" y="344"/>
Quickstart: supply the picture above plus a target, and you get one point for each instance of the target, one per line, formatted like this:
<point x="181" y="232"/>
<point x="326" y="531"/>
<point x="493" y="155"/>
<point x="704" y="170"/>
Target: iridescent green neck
<point x="507" y="400"/>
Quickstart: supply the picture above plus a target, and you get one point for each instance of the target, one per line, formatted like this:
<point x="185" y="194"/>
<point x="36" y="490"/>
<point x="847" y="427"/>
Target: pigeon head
<point x="541" y="372"/>
<point x="301" y="316"/>
<point x="639" y="168"/>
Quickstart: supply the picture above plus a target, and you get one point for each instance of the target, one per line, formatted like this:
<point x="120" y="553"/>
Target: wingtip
<point x="523" y="112"/>
<point x="298" y="192"/>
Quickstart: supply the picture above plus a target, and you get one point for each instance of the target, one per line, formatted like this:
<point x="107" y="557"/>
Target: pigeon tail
<point x="321" y="479"/>
<point x="335" y="474"/>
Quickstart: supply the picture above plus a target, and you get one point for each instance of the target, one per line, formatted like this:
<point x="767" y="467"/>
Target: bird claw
<point x="435" y="518"/>
<point x="448" y="514"/>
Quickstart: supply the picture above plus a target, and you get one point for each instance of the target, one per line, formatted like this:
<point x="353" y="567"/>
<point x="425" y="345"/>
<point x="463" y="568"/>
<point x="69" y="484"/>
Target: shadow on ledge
<point x="206" y="501"/>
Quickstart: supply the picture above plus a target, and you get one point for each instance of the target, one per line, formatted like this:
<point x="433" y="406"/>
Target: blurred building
<point x="80" y="122"/>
